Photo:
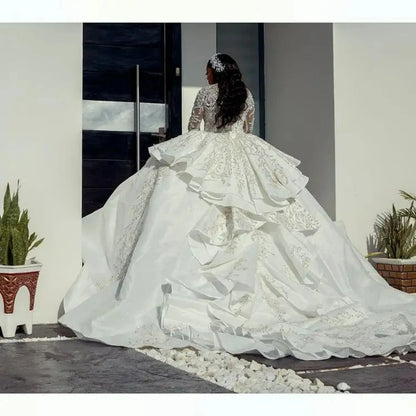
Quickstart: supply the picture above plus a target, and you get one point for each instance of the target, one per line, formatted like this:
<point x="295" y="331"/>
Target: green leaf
<point x="12" y="214"/>
<point x="23" y="228"/>
<point x="394" y="233"/>
<point x="15" y="241"/>
<point x="407" y="195"/>
<point x="7" y="199"/>
<point x="18" y="248"/>
<point x="4" y="246"/>
<point x="36" y="244"/>
<point x="412" y="252"/>
<point x="408" y="212"/>
<point x="374" y="253"/>
<point x="32" y="238"/>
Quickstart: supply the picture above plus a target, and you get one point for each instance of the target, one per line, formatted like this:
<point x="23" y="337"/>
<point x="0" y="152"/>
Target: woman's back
<point x="205" y="108"/>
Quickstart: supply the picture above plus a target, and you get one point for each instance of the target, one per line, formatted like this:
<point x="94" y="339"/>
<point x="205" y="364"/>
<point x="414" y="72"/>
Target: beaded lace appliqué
<point x="127" y="242"/>
<point x="205" y="108"/>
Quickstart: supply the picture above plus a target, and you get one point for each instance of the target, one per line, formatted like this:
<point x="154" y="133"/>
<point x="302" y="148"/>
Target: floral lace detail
<point x="101" y="282"/>
<point x="344" y="317"/>
<point x="273" y="299"/>
<point x="239" y="170"/>
<point x="146" y="336"/>
<point x="222" y="225"/>
<point x="302" y="257"/>
<point x="205" y="108"/>
<point x="237" y="306"/>
<point x="131" y="232"/>
<point x="265" y="245"/>
<point x="266" y="156"/>
<point x="295" y="218"/>
<point x="164" y="172"/>
<point x="270" y="289"/>
<point x="220" y="230"/>
<point x="178" y="143"/>
<point x="354" y="329"/>
<point x="298" y="219"/>
<point x="275" y="285"/>
<point x="239" y="266"/>
<point x="233" y="245"/>
<point x="246" y="221"/>
<point x="225" y="163"/>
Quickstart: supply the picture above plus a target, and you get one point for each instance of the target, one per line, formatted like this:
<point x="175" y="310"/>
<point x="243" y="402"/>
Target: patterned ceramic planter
<point x="399" y="273"/>
<point x="17" y="296"/>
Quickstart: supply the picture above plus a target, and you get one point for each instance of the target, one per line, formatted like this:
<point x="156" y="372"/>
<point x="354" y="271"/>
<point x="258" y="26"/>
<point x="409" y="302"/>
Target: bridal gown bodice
<point x="205" y="108"/>
<point x="216" y="243"/>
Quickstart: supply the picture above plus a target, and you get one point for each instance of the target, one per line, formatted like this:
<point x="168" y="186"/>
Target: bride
<point x="217" y="244"/>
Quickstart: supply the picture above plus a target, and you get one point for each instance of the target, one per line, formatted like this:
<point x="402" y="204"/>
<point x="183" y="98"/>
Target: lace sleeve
<point x="249" y="120"/>
<point x="197" y="111"/>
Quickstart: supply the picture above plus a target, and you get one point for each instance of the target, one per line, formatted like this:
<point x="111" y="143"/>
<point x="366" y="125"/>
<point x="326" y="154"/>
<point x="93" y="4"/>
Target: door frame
<point x="173" y="74"/>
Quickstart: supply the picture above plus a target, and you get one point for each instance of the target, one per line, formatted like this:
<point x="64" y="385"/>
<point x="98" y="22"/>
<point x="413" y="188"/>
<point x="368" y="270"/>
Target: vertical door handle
<point x="137" y="114"/>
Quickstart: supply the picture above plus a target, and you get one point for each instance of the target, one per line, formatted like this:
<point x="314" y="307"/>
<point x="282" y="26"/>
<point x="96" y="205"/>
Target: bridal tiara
<point x="216" y="64"/>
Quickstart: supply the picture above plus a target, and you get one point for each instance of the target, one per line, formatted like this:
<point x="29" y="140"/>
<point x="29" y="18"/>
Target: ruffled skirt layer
<point x="216" y="243"/>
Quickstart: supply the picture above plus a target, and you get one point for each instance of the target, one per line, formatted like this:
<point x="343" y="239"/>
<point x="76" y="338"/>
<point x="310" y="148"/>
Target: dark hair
<point x="232" y="93"/>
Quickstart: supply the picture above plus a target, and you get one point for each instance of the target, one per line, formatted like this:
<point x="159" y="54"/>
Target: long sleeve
<point x="197" y="111"/>
<point x="250" y="113"/>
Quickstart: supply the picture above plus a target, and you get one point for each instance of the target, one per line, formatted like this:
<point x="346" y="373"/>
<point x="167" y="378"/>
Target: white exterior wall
<point x="299" y="101"/>
<point x="375" y="132"/>
<point x="198" y="45"/>
<point x="40" y="136"/>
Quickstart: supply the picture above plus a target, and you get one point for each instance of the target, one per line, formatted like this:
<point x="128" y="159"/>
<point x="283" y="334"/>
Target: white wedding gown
<point x="216" y="244"/>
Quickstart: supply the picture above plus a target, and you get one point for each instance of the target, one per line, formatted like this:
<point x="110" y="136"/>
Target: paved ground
<point x="75" y="366"/>
<point x="364" y="375"/>
<point x="88" y="367"/>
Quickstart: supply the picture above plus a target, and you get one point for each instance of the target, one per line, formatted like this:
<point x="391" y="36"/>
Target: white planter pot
<point x="17" y="296"/>
<point x="394" y="261"/>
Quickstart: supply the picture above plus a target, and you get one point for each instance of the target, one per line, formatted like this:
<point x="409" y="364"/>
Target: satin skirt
<point x="217" y="244"/>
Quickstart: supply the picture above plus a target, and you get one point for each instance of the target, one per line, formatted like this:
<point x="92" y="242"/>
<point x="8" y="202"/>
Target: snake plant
<point x="15" y="241"/>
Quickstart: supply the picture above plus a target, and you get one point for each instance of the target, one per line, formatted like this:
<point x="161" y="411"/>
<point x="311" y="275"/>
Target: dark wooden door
<point x="110" y="55"/>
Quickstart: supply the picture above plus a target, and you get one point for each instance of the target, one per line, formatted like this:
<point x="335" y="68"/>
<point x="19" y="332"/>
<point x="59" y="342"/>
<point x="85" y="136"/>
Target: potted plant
<point x="18" y="276"/>
<point x="395" y="238"/>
